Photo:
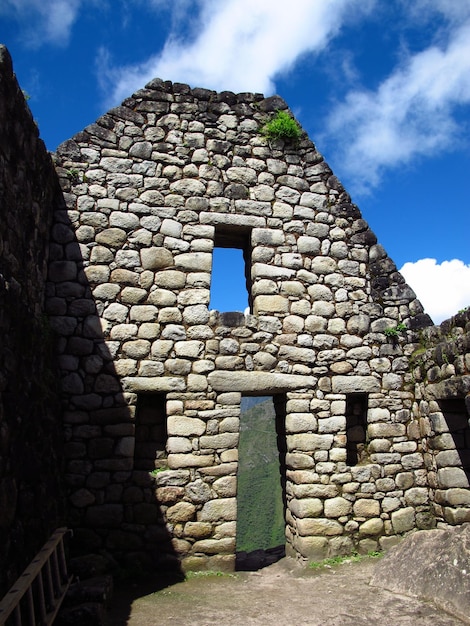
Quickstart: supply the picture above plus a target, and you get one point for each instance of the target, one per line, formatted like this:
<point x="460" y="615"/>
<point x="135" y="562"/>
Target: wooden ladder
<point x="35" y="598"/>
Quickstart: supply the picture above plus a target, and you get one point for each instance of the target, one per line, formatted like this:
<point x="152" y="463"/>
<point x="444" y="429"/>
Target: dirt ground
<point x="283" y="594"/>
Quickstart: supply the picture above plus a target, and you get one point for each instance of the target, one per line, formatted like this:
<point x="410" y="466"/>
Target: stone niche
<point x="152" y="378"/>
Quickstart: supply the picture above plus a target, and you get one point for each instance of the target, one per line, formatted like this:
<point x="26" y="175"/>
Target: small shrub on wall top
<point x="282" y="126"/>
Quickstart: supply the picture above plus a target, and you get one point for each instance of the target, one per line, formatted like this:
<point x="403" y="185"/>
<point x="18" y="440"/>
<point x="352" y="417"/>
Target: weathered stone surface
<point x="355" y="384"/>
<point x="223" y="509"/>
<point x="403" y="520"/>
<point x="185" y="426"/>
<point x="180" y="512"/>
<point x="337" y="507"/>
<point x="319" y="526"/>
<point x="371" y="527"/>
<point x="432" y="565"/>
<point x="307" y="507"/>
<point x="156" y="258"/>
<point x="256" y="381"/>
<point x="366" y="508"/>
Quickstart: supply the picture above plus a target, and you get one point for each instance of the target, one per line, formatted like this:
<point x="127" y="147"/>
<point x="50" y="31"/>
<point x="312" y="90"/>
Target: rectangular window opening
<point x="151" y="432"/>
<point x="457" y="420"/>
<point x="231" y="270"/>
<point x="356" y="428"/>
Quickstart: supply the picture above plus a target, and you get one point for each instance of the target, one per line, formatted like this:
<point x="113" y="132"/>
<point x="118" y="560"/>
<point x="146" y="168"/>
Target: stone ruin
<point x="372" y="401"/>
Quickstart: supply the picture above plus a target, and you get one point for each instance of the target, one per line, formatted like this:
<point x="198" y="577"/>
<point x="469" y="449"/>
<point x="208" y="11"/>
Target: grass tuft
<point x="282" y="126"/>
<point x="210" y="574"/>
<point x="340" y="560"/>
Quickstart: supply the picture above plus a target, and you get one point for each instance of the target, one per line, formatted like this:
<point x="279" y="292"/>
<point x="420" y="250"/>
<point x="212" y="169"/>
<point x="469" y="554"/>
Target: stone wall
<point x="371" y="400"/>
<point x="441" y="370"/>
<point x="151" y="189"/>
<point x="31" y="504"/>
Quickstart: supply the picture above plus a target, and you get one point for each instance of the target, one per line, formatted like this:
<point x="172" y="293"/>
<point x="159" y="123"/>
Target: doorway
<point x="457" y="420"/>
<point x="261" y="498"/>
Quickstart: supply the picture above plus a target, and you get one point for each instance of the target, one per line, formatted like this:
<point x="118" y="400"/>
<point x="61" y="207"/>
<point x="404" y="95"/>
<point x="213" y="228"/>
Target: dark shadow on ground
<point x="257" y="559"/>
<point x="126" y="591"/>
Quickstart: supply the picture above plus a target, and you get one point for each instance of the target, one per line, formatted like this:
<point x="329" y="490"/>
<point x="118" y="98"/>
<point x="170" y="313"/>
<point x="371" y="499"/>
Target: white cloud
<point x="423" y="10"/>
<point x="44" y="22"/>
<point x="411" y="114"/>
<point x="443" y="289"/>
<point x="240" y="45"/>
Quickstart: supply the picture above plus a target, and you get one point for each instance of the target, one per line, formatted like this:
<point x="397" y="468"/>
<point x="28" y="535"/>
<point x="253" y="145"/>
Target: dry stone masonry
<point x="31" y="493"/>
<point x="152" y="378"/>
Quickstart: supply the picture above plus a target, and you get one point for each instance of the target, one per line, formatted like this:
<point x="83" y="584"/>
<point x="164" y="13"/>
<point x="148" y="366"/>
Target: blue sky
<point x="381" y="86"/>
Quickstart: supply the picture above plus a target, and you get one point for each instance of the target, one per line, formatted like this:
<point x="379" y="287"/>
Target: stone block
<point x="371" y="527"/>
<point x="299" y="461"/>
<point x="307" y="507"/>
<point x="180" y="512"/>
<point x="138" y="349"/>
<point x="307" y="442"/>
<point x="178" y="445"/>
<point x="215" y="546"/>
<point x="404" y="480"/>
<point x="198" y="530"/>
<point x="176" y="461"/>
<point x="457" y="497"/>
<point x="300" y="422"/>
<point x="456" y="516"/>
<point x="447" y="458"/>
<point x="219" y="442"/>
<point x="319" y="526"/>
<point x="403" y="520"/>
<point x="334" y="424"/>
<point x="226" y="486"/>
<point x="366" y="508"/>
<point x="185" y="426"/>
<point x="452" y="477"/>
<point x="416" y="496"/>
<point x="223" y="509"/>
<point x="355" y="384"/>
<point x="386" y="430"/>
<point x="312" y="548"/>
<point x="337" y="507"/>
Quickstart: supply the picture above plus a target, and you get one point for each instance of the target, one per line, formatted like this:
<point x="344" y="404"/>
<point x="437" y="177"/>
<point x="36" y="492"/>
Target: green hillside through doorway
<point x="260" y="519"/>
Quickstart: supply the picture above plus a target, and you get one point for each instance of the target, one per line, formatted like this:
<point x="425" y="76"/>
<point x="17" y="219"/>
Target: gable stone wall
<point x="371" y="401"/>
<point x="150" y="189"/>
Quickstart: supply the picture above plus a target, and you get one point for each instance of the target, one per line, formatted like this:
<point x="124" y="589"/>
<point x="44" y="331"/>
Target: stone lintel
<point x="258" y="382"/>
<point x="230" y="219"/>
<point x="141" y="384"/>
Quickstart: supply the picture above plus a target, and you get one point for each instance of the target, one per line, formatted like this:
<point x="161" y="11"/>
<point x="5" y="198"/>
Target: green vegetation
<point x="210" y="574"/>
<point x="283" y="127"/>
<point x="395" y="330"/>
<point x="340" y="560"/>
<point x="157" y="471"/>
<point x="260" y="507"/>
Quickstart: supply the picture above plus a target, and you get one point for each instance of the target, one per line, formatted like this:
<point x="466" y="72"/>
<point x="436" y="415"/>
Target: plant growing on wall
<point x="394" y="331"/>
<point x="282" y="126"/>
